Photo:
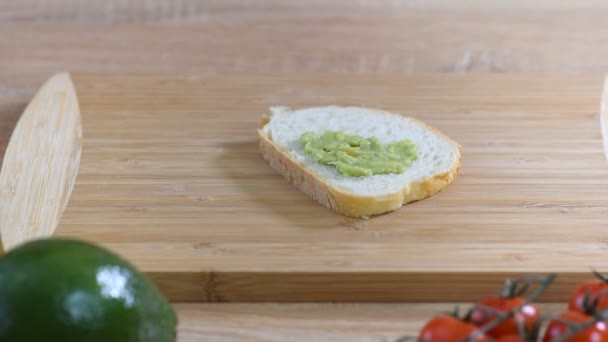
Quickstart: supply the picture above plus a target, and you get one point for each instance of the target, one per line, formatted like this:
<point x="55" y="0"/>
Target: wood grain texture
<point x="336" y="36"/>
<point x="40" y="165"/>
<point x="172" y="179"/>
<point x="311" y="322"/>
<point x="604" y="116"/>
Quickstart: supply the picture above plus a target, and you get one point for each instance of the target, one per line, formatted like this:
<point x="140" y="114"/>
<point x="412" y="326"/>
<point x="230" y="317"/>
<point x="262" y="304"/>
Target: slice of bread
<point x="436" y="167"/>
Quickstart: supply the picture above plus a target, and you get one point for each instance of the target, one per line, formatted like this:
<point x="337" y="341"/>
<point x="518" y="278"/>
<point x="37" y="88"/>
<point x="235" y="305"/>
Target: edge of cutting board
<point x="369" y="287"/>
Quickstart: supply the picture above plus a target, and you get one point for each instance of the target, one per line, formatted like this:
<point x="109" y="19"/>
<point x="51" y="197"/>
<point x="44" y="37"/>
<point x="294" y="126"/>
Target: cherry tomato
<point x="598" y="332"/>
<point x="527" y="314"/>
<point x="449" y="329"/>
<point x="589" y="288"/>
<point x="511" y="338"/>
<point x="602" y="303"/>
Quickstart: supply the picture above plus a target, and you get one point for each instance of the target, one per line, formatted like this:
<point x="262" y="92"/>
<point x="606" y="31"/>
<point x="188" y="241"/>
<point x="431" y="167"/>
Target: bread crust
<point x="345" y="203"/>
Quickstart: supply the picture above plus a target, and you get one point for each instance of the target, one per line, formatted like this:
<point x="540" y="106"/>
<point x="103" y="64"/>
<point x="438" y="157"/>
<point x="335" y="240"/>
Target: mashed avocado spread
<point x="353" y="155"/>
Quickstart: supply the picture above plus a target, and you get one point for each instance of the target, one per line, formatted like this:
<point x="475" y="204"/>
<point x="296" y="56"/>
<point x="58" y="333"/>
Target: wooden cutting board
<point x="171" y="178"/>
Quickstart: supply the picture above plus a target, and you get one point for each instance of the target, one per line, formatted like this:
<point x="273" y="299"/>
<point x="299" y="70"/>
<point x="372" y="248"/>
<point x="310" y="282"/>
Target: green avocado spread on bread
<point x="353" y="155"/>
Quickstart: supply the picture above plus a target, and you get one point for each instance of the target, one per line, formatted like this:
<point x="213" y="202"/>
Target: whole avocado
<point x="70" y="290"/>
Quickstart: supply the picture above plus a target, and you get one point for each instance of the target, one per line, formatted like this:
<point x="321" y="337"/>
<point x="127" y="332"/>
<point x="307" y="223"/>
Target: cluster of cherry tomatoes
<point x="512" y="316"/>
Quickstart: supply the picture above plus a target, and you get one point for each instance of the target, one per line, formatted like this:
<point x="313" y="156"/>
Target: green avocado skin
<point x="68" y="290"/>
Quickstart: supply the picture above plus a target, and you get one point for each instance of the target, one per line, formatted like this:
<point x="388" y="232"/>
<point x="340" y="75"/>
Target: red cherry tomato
<point x="527" y="314"/>
<point x="511" y="338"/>
<point x="602" y="303"/>
<point x="450" y="329"/>
<point x="591" y="288"/>
<point x="598" y="332"/>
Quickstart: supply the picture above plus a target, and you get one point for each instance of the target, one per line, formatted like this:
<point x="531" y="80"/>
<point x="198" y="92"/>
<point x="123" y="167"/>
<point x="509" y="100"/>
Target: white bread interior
<point x="436" y="167"/>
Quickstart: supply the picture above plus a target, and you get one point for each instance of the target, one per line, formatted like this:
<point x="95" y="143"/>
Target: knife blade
<point x="40" y="164"/>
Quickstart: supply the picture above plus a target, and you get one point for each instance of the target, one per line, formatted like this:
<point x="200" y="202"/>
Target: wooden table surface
<point x="41" y="37"/>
